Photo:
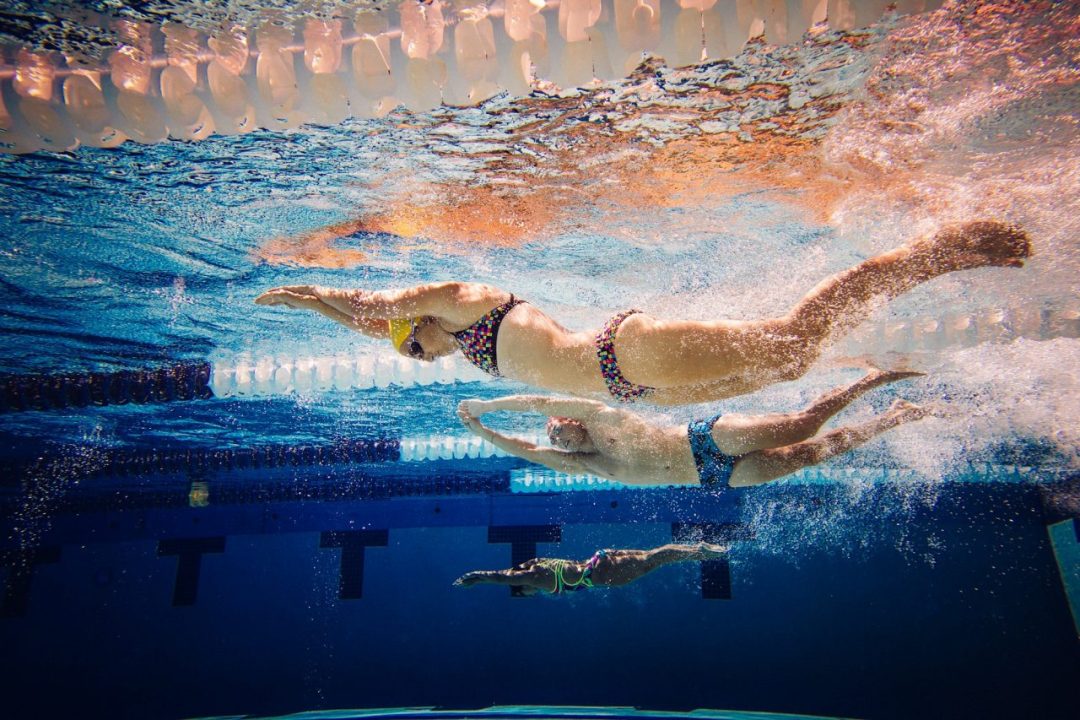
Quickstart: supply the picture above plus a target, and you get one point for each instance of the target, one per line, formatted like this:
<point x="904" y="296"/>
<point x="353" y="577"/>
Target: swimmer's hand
<point x="303" y="297"/>
<point x="475" y="408"/>
<point x="468" y="580"/>
<point x="467" y="412"/>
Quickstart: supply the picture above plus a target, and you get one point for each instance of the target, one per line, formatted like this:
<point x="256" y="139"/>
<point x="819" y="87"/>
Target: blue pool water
<point x="215" y="509"/>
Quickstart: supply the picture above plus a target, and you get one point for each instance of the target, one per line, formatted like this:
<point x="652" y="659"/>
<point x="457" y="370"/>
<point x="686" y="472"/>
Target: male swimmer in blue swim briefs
<point x="606" y="568"/>
<point x="589" y="437"/>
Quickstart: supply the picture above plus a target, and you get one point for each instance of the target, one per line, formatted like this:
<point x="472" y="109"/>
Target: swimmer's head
<point x="569" y="434"/>
<point x="400" y="329"/>
<point x="421" y="338"/>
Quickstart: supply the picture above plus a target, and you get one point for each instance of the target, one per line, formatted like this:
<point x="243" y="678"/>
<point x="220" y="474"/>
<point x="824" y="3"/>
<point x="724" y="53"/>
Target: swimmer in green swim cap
<point x="606" y="568"/>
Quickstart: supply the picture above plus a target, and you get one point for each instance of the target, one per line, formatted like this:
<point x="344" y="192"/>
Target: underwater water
<point x="213" y="508"/>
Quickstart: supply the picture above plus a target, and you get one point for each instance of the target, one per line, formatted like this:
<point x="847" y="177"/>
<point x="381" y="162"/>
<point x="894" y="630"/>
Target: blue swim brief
<point x="714" y="466"/>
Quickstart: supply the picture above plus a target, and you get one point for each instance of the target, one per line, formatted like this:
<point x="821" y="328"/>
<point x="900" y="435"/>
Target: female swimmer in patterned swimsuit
<point x="635" y="356"/>
<point x="605" y="568"/>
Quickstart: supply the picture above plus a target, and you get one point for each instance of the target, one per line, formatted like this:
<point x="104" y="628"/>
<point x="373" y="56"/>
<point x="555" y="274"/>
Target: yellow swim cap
<point x="400" y="329"/>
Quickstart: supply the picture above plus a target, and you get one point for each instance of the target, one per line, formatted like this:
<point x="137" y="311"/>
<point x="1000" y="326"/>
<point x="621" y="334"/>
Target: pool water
<point x="216" y="509"/>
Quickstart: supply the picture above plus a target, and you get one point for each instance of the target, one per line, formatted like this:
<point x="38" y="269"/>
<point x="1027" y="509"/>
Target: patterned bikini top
<point x="478" y="341"/>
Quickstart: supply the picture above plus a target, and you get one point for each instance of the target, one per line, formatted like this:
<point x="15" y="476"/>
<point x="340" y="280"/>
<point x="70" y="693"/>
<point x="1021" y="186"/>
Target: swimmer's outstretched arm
<point x="574" y="408"/>
<point x="303" y="297"/>
<point x="513" y="576"/>
<point x="458" y="303"/>
<point x="557" y="460"/>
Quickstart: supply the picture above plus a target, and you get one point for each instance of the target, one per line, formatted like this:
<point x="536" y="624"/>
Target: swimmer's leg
<point x="762" y="466"/>
<point x="742" y="434"/>
<point x="845" y="299"/>
<point x="621" y="567"/>
<point x="667" y="354"/>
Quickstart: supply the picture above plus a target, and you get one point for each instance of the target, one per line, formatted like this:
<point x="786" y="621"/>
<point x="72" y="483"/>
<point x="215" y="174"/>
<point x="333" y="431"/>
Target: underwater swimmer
<point x="723" y="451"/>
<point x="635" y="356"/>
<point x="606" y="568"/>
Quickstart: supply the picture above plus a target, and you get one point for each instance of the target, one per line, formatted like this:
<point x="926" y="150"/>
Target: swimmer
<point x="606" y="568"/>
<point x="638" y="357"/>
<point x="589" y="437"/>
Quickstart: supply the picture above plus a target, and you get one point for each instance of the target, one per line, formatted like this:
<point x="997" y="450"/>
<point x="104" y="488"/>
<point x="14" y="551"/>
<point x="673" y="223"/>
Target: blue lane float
<point x="253" y="458"/>
<point x="182" y="381"/>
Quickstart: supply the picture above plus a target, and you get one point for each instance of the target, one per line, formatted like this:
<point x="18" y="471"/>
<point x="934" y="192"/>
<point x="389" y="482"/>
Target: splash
<point x="1015" y="403"/>
<point x="43" y="486"/>
<point x="970" y="113"/>
<point x="1023" y="389"/>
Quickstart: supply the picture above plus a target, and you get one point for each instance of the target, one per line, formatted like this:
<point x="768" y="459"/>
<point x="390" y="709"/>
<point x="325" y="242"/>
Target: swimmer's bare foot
<point x="944" y="411"/>
<point x="877" y="376"/>
<point x="710" y="551"/>
<point x="874" y="377"/>
<point x="979" y="244"/>
<point x="903" y="411"/>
